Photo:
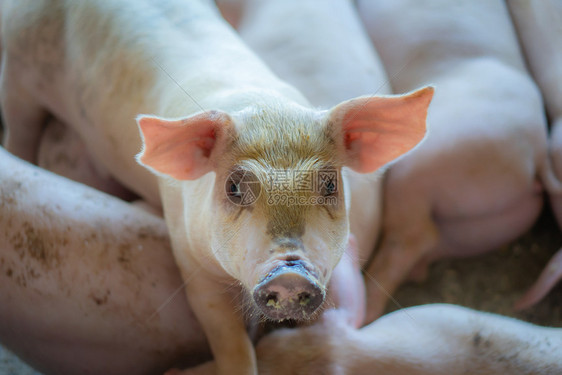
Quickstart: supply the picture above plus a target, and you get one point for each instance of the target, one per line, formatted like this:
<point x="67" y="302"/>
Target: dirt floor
<point x="491" y="282"/>
<point x="494" y="281"/>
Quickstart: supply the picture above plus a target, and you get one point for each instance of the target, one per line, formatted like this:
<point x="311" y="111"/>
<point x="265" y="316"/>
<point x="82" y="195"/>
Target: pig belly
<point x="471" y="186"/>
<point x="538" y="24"/>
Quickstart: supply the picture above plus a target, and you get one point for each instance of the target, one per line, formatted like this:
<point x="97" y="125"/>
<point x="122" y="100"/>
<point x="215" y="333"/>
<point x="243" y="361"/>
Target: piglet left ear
<point x="184" y="149"/>
<point x="377" y="130"/>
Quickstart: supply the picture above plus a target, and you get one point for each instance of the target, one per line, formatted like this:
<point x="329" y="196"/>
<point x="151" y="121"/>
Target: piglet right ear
<point x="184" y="149"/>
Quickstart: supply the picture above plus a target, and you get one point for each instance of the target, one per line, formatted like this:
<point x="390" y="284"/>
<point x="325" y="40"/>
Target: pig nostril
<point x="272" y="299"/>
<point x="288" y="293"/>
<point x="304" y="298"/>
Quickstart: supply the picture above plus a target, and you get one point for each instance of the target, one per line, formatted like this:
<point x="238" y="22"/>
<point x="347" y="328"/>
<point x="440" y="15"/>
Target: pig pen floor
<point x="491" y="282"/>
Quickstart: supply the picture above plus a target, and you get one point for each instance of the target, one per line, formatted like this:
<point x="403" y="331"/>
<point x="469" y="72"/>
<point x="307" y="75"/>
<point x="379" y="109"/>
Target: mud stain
<point x="124" y="255"/>
<point x="149" y="232"/>
<point x="31" y="243"/>
<point x="100" y="299"/>
<point x="126" y="260"/>
<point x="8" y="192"/>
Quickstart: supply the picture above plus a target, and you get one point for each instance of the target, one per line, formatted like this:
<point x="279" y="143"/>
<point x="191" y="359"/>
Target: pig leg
<point x="229" y="341"/>
<point x="396" y="257"/>
<point x="234" y="352"/>
<point x="551" y="275"/>
<point x="88" y="283"/>
<point x="23" y="117"/>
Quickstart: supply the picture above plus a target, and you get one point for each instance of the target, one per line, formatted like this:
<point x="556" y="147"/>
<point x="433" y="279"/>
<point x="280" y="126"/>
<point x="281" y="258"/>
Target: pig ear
<point x="184" y="149"/>
<point x="377" y="130"/>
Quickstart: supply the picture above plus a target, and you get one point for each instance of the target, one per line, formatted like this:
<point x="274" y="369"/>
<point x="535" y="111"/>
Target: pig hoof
<point x="288" y="292"/>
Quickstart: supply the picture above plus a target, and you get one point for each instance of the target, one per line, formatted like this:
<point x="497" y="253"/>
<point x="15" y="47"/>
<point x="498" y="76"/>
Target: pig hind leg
<point x="23" y="117"/>
<point x="407" y="241"/>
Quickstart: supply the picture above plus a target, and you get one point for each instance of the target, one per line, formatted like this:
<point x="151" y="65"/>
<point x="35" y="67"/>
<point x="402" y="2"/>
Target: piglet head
<point x="276" y="202"/>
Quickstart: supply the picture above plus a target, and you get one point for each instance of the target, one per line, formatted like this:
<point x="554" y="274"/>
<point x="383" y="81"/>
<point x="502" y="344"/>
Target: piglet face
<point x="285" y="235"/>
<point x="281" y="208"/>
<point x="278" y="204"/>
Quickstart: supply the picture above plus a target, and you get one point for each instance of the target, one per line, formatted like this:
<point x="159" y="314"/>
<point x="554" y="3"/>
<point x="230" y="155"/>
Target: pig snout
<point x="289" y="291"/>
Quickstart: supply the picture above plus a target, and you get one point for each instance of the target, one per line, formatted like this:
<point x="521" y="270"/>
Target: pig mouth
<point x="289" y="291"/>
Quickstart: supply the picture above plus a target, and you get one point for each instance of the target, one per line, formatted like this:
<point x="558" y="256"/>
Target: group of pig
<point x="456" y="163"/>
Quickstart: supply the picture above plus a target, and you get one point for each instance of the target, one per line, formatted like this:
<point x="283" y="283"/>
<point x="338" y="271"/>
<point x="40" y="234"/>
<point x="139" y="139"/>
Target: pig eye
<point x="234" y="190"/>
<point x="242" y="188"/>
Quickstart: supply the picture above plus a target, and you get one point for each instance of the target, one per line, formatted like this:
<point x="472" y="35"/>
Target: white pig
<point x="473" y="185"/>
<point x="224" y="138"/>
<point x="539" y="26"/>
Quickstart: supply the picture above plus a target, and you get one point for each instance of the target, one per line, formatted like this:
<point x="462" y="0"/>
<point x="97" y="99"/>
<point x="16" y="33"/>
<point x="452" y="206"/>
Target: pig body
<point x="473" y="185"/>
<point x="539" y="27"/>
<point x="220" y="125"/>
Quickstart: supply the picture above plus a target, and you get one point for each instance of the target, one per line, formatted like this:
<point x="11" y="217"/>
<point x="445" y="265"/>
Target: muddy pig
<point x="248" y="174"/>
<point x="474" y="185"/>
<point x="538" y="24"/>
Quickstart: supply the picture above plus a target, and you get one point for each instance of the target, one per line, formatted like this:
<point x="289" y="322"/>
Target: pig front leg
<point x="231" y="346"/>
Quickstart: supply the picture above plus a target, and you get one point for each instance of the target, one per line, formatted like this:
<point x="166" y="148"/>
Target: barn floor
<point x="491" y="282"/>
